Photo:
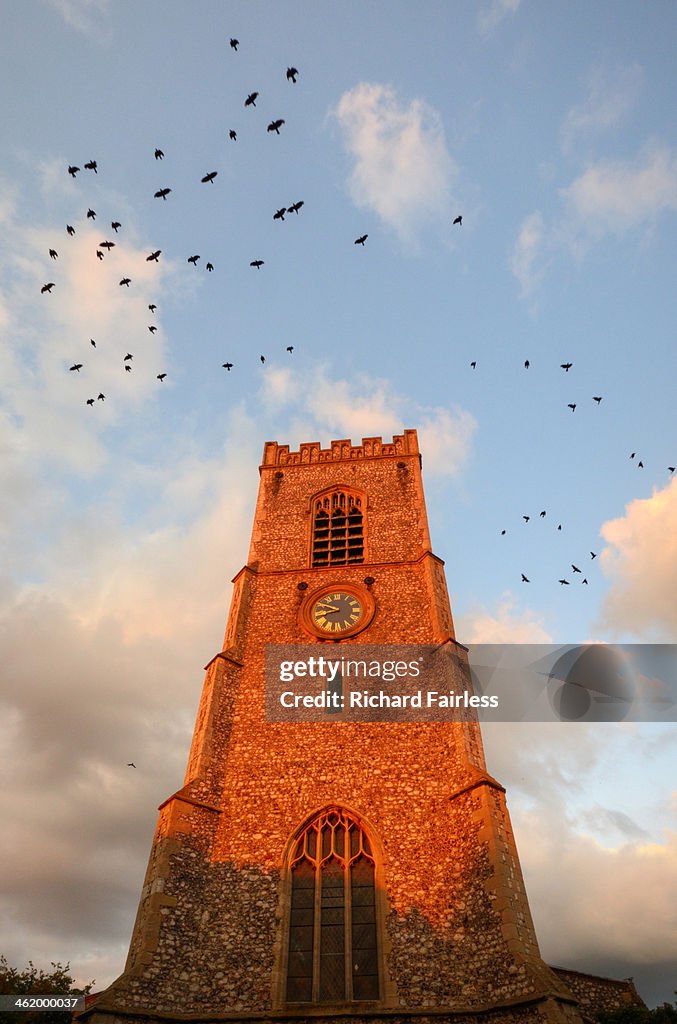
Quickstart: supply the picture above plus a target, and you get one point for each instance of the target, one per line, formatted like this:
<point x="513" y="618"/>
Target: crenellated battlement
<point x="310" y="452"/>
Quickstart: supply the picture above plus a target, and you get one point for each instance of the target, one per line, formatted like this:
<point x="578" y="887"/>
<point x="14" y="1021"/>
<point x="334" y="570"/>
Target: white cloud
<point x="599" y="892"/>
<point x="507" y="625"/>
<point x="446" y="437"/>
<point x="364" y="407"/>
<point x="610" y="95"/>
<point x="641" y="562"/>
<point x="87" y="16"/>
<point x="494" y="13"/>
<point x="402" y="168"/>
<point x="43" y="414"/>
<point x="612" y="196"/>
<point x="526" y="262"/>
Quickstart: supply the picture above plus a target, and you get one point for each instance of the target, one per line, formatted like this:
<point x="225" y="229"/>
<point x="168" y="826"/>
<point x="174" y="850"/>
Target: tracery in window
<point x="333" y="955"/>
<point x="338" y="529"/>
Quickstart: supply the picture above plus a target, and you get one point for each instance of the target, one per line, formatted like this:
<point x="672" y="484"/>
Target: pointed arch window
<point x="338" y="529"/>
<point x="333" y="948"/>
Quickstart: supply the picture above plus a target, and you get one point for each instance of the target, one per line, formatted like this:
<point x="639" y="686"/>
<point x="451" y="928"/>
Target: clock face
<point x="336" y="612"/>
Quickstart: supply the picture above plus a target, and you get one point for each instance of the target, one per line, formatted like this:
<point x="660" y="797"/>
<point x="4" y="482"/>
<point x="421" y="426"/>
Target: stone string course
<point x="455" y="928"/>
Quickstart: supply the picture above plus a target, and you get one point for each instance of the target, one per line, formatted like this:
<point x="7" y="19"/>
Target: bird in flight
<point x="70" y="229"/>
<point x="275" y="126"/>
<point x="256" y="263"/>
<point x="128" y="357"/>
<point x="193" y="259"/>
<point x="209" y="177"/>
<point x="90" y="401"/>
<point x="53" y="253"/>
<point x="474" y="364"/>
<point x="128" y="368"/>
<point x="575" y="567"/>
<point x="75" y="366"/>
<point x="115" y="224"/>
<point x="161" y="376"/>
<point x="227" y="366"/>
<point x="262" y="358"/>
<point x="584" y="580"/>
<point x="459" y="219"/>
<point x="130" y="764"/>
<point x="234" y="43"/>
<point x="640" y="464"/>
<point x="91" y="214"/>
<point x="233" y="135"/>
<point x="564" y="583"/>
<point x="295" y="207"/>
<point x="152" y="328"/>
<point x="542" y="514"/>
<point x="161" y="193"/>
<point x="559" y="527"/>
<point x="126" y="280"/>
<point x="290" y="348"/>
<point x="279" y="214"/>
<point x="92" y="342"/>
<point x="91" y="165"/>
<point x="502" y="533"/>
<point x="593" y="554"/>
<point x="101" y="397"/>
<point x="291" y="75"/>
<point x="251" y="99"/>
<point x="99" y="254"/>
<point x="572" y="406"/>
<point x="47" y="287"/>
<point x="527" y="364"/>
<point x="209" y="267"/>
<point x="597" y="398"/>
<point x="671" y="468"/>
<point x="524" y="579"/>
<point x="566" y="366"/>
<point x="361" y="240"/>
<point x="526" y="518"/>
<point x="154" y="256"/>
<point x="107" y="245"/>
<point x="159" y="154"/>
<point x="72" y="170"/>
<point x="152" y="307"/>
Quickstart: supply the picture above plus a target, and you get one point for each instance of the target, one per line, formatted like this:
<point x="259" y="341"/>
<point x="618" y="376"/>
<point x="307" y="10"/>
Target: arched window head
<point x="338" y="529"/>
<point x="333" y="949"/>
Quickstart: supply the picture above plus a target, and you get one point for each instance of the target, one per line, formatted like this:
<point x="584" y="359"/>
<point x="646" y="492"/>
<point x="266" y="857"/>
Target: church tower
<point x="338" y="868"/>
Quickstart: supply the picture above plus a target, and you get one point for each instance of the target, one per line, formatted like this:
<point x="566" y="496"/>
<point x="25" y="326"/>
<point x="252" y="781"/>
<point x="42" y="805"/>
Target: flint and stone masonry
<point x="416" y="909"/>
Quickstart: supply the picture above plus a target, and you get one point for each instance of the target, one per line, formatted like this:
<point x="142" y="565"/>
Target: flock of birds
<point x="597" y="399"/>
<point x="105" y="246"/>
<point x="563" y="581"/>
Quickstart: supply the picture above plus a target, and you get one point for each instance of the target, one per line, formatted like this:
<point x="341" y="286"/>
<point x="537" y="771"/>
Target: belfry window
<point x="338" y="529"/>
<point x="333" y="955"/>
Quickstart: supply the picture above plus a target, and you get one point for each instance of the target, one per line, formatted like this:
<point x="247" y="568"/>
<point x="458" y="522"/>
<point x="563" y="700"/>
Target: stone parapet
<point x="275" y="454"/>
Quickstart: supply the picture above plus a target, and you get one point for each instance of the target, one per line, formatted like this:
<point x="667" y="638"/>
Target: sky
<point x="550" y="129"/>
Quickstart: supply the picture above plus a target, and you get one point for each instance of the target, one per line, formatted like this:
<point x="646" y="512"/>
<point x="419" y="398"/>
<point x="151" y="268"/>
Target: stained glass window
<point x="333" y="954"/>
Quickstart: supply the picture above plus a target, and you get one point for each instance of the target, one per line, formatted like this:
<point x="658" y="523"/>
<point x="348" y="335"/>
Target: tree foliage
<point x="34" y="981"/>
<point x="665" y="1014"/>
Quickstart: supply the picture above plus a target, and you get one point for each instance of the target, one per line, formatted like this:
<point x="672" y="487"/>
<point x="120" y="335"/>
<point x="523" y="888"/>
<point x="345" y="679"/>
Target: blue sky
<point x="550" y="128"/>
